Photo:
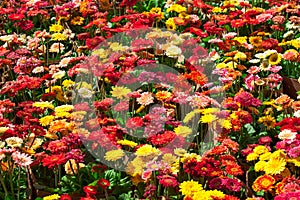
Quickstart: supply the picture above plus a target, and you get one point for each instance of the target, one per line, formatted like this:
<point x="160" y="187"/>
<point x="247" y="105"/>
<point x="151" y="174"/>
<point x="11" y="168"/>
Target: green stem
<point x="3" y="185"/>
<point x="19" y="177"/>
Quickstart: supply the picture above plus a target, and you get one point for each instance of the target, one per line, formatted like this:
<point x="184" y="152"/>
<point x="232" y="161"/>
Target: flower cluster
<point x="149" y="99"/>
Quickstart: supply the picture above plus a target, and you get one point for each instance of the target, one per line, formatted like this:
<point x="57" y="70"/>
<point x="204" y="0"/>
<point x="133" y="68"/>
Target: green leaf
<point x="249" y="128"/>
<point x="206" y="39"/>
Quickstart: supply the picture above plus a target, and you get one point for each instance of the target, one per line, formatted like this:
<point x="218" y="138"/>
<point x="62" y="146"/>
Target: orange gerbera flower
<point x="263" y="183"/>
<point x="233" y="169"/>
<point x="256" y="41"/>
<point x="284" y="100"/>
<point x="163" y="95"/>
<point x="198" y="77"/>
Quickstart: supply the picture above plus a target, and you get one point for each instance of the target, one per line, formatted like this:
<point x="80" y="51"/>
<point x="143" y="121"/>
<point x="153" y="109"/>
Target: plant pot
<point x="290" y="86"/>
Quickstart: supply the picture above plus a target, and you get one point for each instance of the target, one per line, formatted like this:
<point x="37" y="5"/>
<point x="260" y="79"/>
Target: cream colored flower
<point x="59" y="74"/>
<point x="38" y="69"/>
<point x="145" y="99"/>
<point x="57" y="47"/>
<point x="14" y="142"/>
<point x="173" y="51"/>
<point x="287" y="134"/>
<point x="3" y="130"/>
<point x="71" y="167"/>
<point x="85" y="93"/>
<point x="114" y="155"/>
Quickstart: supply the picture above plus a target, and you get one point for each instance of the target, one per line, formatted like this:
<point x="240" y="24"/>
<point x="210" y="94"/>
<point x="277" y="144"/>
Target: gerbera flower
<point x="275" y="166"/>
<point x="265" y="156"/>
<point x="72" y="168"/>
<point x="77" y="20"/>
<point x="43" y="105"/>
<point x="260" y="149"/>
<point x="114" y="155"/>
<point x="256" y="41"/>
<point x="53" y="160"/>
<point x="90" y="190"/>
<point x="275" y="59"/>
<point x="291" y="55"/>
<point x="173" y="51"/>
<point x="103" y="183"/>
<point x="252" y="157"/>
<point x="265" y="140"/>
<point x="52" y="197"/>
<point x="170" y="24"/>
<point x="65" y="197"/>
<point x="120" y="92"/>
<point x="263" y="183"/>
<point x="233" y="169"/>
<point x="177" y="8"/>
<point x="59" y="37"/>
<point x="57" y="47"/>
<point x="14" y="142"/>
<point x="167" y="181"/>
<point x="268" y="121"/>
<point x="183" y="131"/>
<point x="127" y="143"/>
<point x="21" y="159"/>
<point x="287" y="134"/>
<point x="145" y="99"/>
<point x="260" y="166"/>
<point x="134" y="122"/>
<point x="189" y="188"/>
<point x="209" y="118"/>
<point x="147" y="150"/>
<point x="16" y="16"/>
<point x="57" y="28"/>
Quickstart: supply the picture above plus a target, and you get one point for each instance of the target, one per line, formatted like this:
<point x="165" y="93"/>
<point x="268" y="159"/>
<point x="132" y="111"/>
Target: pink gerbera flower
<point x="21" y="159"/>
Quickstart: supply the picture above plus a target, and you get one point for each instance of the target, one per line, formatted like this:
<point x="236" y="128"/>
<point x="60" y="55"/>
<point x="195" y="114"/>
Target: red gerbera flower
<point x="16" y="17"/>
<point x="167" y="181"/>
<point x="92" y="43"/>
<point x="233" y="169"/>
<point x="65" y="197"/>
<point x="236" y="23"/>
<point x="53" y="160"/>
<point x="134" y="122"/>
<point x="90" y="190"/>
<point x="103" y="183"/>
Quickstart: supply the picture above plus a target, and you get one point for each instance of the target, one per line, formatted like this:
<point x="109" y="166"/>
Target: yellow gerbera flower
<point x="147" y="150"/>
<point x="177" y="8"/>
<point x="171" y="24"/>
<point x="57" y="28"/>
<point x="260" y="149"/>
<point x="260" y="166"/>
<point x="252" y="157"/>
<point x="275" y="166"/>
<point x="189" y="188"/>
<point x="127" y="143"/>
<point x="45" y="121"/>
<point x="52" y="197"/>
<point x="114" y="155"/>
<point x="208" y="118"/>
<point x="275" y="59"/>
<point x="44" y="104"/>
<point x="120" y="92"/>
<point x="183" y="131"/>
<point x="59" y="37"/>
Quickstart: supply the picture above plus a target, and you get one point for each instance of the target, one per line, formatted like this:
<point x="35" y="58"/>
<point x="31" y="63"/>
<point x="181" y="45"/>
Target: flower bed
<point x="149" y="99"/>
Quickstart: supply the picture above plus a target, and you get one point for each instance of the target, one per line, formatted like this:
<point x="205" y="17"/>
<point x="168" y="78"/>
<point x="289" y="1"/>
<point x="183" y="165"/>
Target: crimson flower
<point x="65" y="197"/>
<point x="103" y="183"/>
<point x="16" y="17"/>
<point x="53" y="160"/>
<point x="90" y="190"/>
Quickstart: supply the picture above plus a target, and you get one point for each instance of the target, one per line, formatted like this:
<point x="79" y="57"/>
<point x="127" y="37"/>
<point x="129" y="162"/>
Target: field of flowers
<point x="149" y="99"/>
